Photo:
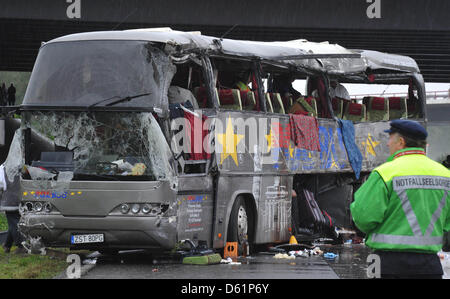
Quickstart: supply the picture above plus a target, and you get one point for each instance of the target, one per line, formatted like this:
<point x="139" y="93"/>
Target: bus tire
<point x="239" y="223"/>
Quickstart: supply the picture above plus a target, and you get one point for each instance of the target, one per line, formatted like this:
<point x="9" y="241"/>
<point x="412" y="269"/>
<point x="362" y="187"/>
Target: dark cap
<point x="408" y="128"/>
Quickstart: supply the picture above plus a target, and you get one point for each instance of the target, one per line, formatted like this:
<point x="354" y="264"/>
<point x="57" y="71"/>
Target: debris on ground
<point x="330" y="255"/>
<point x="284" y="256"/>
<point x="445" y="262"/>
<point x="90" y="262"/>
<point x="209" y="259"/>
<point x="229" y="261"/>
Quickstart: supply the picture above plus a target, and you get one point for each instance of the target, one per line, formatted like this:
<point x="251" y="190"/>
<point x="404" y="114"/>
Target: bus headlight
<point x="48" y="207"/>
<point x="135" y="208"/>
<point x="38" y="207"/>
<point x="146" y="209"/>
<point x="29" y="206"/>
<point x="124" y="208"/>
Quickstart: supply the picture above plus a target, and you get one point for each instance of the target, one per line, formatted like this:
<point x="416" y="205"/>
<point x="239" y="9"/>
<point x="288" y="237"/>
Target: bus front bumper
<point x="120" y="232"/>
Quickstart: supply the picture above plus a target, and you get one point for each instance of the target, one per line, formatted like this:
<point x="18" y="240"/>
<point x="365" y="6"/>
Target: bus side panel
<point x="272" y="199"/>
<point x="274" y="218"/>
<point x="372" y="142"/>
<point x="195" y="201"/>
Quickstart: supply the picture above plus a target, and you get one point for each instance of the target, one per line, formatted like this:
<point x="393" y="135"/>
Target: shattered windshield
<point x="98" y="145"/>
<point x="82" y="73"/>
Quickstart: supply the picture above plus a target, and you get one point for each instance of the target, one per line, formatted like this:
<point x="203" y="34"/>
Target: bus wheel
<point x="238" y="227"/>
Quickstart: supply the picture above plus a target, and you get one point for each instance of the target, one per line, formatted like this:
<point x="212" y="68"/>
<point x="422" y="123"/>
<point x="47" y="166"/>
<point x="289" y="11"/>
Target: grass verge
<point x="28" y="266"/>
<point x="3" y="222"/>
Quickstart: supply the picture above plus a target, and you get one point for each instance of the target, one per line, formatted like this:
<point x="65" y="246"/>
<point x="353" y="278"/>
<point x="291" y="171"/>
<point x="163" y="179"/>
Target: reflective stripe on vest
<point x="401" y="185"/>
<point x="406" y="240"/>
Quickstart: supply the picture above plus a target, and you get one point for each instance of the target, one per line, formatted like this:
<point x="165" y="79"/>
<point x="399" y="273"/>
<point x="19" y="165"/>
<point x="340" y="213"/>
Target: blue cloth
<point x="409" y="128"/>
<point x="354" y="155"/>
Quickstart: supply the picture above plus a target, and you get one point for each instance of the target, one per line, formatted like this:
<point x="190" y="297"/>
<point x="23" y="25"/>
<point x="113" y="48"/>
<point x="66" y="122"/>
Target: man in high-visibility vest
<point x="404" y="206"/>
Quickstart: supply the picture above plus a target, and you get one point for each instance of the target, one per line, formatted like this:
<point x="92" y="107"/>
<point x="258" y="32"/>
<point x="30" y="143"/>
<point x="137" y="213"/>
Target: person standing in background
<point x="3" y="95"/>
<point x="11" y="95"/>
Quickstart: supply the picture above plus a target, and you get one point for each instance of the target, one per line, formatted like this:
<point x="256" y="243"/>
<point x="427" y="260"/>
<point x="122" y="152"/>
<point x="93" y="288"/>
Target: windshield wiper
<point x="121" y="100"/>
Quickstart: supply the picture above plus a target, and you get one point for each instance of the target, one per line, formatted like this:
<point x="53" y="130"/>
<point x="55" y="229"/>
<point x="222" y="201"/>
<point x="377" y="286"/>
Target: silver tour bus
<point x="143" y="138"/>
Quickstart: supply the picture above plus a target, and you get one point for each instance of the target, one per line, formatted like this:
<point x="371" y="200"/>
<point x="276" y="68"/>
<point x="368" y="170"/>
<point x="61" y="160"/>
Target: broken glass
<point x="83" y="73"/>
<point x="105" y="146"/>
<point x="15" y="159"/>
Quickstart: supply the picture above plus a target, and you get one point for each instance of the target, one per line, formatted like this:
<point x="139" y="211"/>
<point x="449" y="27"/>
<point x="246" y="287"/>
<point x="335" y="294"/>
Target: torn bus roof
<point x="377" y="60"/>
<point x="190" y="41"/>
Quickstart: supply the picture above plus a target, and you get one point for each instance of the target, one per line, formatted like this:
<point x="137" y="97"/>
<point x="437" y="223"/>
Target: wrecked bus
<point x="141" y="138"/>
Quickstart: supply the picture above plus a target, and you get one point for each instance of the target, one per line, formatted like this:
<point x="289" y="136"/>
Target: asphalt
<point x="350" y="263"/>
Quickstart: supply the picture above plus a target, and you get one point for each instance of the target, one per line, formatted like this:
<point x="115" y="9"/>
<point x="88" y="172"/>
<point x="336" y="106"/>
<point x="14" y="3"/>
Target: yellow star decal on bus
<point x="269" y="138"/>
<point x="333" y="164"/>
<point x="229" y="142"/>
<point x="291" y="150"/>
<point x="370" y="145"/>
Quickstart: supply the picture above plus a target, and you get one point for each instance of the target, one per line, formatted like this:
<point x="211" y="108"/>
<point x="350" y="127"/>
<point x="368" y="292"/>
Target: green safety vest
<point x="242" y="86"/>
<point x="404" y="205"/>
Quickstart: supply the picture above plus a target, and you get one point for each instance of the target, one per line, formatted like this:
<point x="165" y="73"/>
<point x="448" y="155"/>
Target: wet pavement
<point x="260" y="266"/>
<point x="350" y="263"/>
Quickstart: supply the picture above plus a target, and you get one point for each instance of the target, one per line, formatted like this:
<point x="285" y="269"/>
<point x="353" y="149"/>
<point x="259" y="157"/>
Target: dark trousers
<point x="13" y="236"/>
<point x="409" y="265"/>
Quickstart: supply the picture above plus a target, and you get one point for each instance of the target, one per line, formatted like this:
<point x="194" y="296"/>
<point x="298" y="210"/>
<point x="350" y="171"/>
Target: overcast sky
<point x="378" y="89"/>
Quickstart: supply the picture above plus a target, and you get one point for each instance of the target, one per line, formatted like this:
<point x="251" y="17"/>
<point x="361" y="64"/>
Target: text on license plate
<point x="91" y="238"/>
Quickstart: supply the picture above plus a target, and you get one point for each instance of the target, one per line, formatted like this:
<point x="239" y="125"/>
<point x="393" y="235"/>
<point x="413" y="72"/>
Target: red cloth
<point x="305" y="131"/>
<point x="196" y="136"/>
<point x="301" y="112"/>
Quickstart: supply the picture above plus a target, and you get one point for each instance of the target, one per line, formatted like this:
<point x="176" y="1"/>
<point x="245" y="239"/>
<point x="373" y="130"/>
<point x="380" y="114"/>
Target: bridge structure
<point x="419" y="29"/>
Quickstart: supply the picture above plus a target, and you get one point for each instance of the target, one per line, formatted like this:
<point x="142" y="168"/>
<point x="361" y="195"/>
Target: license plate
<point x="91" y="238"/>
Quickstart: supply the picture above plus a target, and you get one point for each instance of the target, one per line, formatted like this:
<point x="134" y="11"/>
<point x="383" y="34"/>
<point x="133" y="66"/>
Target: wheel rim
<point x="242" y="224"/>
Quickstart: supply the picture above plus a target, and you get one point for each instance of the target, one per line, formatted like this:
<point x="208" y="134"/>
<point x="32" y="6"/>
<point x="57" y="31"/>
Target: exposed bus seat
<point x="230" y="99"/>
<point x="179" y="95"/>
<point x="248" y="100"/>
<point x="413" y="107"/>
<point x="338" y="107"/>
<point x="298" y="108"/>
<point x="277" y="103"/>
<point x="269" y="106"/>
<point x="287" y="102"/>
<point x="355" y="112"/>
<point x="378" y="109"/>
<point x="202" y="96"/>
<point x="397" y="108"/>
<point x="310" y="104"/>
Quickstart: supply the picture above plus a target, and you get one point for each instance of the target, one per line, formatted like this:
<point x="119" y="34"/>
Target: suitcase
<point x="306" y="213"/>
<point x="312" y="208"/>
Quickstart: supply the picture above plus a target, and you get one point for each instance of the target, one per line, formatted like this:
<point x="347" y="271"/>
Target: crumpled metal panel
<point x="264" y="50"/>
<point x="378" y="60"/>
